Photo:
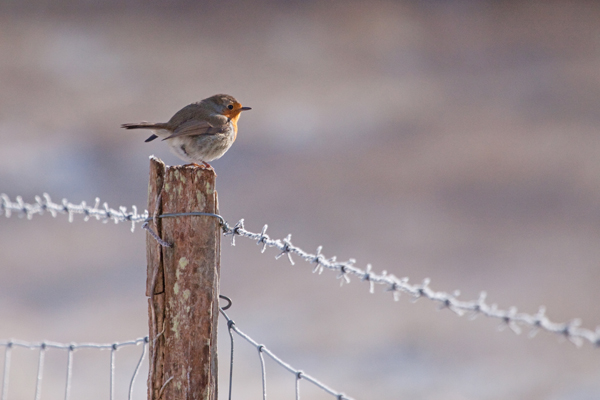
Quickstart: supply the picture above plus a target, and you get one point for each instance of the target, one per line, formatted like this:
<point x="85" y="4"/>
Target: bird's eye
<point x="230" y="106"/>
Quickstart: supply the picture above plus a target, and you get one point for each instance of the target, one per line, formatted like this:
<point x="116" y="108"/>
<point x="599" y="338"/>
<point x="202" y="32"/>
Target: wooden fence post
<point x="183" y="284"/>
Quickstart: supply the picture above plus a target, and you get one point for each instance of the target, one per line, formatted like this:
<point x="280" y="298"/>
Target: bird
<point x="200" y="132"/>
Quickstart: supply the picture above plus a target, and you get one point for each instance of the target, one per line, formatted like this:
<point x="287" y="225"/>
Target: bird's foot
<point x="204" y="165"/>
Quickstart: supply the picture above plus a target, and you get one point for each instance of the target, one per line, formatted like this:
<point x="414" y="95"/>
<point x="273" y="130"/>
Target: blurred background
<point x="455" y="140"/>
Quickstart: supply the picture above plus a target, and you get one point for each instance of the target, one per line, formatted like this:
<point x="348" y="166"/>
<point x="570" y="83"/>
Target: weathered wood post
<point x="183" y="283"/>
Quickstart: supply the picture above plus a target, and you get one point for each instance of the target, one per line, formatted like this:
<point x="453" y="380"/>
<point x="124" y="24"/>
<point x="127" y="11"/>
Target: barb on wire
<point x="262" y="349"/>
<point x="71" y="348"/>
<point x="510" y="318"/>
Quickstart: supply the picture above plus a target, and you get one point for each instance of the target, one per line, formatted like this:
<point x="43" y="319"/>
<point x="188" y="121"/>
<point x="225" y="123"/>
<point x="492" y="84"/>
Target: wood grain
<point x="183" y="284"/>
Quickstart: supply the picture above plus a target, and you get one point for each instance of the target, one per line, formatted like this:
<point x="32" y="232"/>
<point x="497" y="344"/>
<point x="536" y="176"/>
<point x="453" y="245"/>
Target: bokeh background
<point x="456" y="140"/>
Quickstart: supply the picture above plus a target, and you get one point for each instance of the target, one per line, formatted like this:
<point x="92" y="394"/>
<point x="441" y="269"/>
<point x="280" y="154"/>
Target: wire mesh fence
<point x="262" y="350"/>
<point x="71" y="349"/>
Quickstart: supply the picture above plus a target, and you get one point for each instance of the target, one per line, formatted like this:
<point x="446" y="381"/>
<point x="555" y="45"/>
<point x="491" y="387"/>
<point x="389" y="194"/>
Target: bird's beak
<point x="245" y="108"/>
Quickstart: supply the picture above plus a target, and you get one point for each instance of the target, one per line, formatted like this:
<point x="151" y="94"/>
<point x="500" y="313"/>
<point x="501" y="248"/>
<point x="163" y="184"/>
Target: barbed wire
<point x="71" y="348"/>
<point x="510" y="317"/>
<point x="45" y="204"/>
<point x="262" y="349"/>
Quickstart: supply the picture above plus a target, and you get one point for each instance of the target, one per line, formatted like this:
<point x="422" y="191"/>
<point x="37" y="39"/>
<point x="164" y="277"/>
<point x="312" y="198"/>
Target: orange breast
<point x="234" y="120"/>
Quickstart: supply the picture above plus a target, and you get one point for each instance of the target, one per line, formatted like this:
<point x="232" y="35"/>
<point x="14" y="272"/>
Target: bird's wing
<point x="195" y="127"/>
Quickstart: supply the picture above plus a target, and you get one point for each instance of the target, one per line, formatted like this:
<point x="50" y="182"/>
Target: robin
<point x="199" y="132"/>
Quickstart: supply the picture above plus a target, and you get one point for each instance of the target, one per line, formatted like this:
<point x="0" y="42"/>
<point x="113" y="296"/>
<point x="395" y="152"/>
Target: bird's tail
<point x="146" y="125"/>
